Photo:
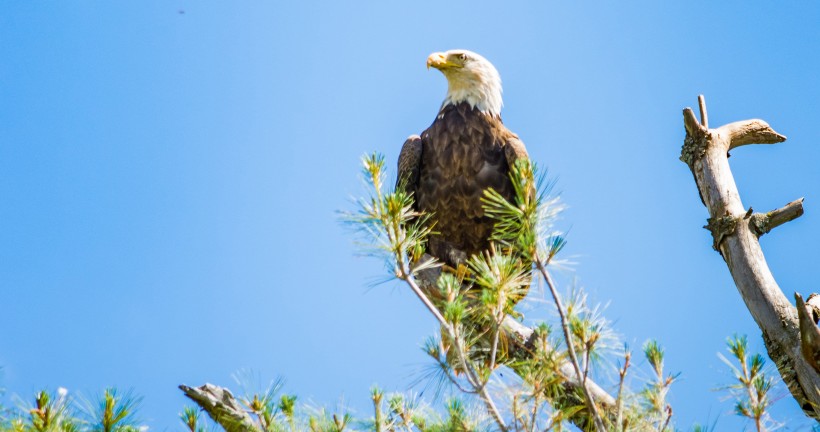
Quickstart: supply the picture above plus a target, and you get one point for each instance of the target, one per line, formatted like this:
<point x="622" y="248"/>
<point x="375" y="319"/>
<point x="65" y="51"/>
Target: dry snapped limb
<point x="221" y="406"/>
<point x="735" y="231"/>
<point x="520" y="345"/>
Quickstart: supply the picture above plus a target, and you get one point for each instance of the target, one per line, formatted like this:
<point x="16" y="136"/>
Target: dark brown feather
<point x="460" y="155"/>
<point x="409" y="163"/>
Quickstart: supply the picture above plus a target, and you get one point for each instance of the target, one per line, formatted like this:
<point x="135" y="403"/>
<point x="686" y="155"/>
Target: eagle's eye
<point x="463" y="57"/>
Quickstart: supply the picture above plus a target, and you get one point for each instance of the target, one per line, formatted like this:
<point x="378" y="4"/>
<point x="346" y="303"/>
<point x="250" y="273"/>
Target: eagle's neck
<point x="466" y="114"/>
<point x="482" y="93"/>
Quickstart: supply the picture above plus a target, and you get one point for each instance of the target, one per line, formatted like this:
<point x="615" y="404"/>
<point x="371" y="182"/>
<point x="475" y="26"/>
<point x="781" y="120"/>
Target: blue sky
<point x="169" y="180"/>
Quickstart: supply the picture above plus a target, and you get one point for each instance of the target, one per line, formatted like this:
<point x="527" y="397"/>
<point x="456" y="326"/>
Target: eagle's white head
<point x="470" y="78"/>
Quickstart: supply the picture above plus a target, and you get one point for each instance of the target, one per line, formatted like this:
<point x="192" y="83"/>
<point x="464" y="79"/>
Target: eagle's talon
<point x="462" y="272"/>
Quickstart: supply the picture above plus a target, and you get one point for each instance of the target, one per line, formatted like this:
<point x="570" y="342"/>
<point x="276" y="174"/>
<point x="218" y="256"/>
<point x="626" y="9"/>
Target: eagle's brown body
<point x="464" y="152"/>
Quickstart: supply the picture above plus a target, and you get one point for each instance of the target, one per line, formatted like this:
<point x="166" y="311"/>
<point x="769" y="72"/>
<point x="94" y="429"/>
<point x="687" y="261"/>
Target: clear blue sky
<point x="168" y="180"/>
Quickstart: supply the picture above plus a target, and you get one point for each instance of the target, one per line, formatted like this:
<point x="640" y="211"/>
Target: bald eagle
<point x="466" y="150"/>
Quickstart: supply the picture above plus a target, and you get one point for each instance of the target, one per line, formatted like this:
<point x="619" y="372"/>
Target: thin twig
<point x="668" y="418"/>
<point x="404" y="273"/>
<point x="494" y="351"/>
<point x="474" y="381"/>
<point x="430" y="306"/>
<point x="748" y="380"/>
<point x="599" y="424"/>
<point x="493" y="409"/>
<point x="455" y="381"/>
<point x="704" y="119"/>
<point x="533" y="420"/>
<point x="472" y="378"/>
<point x="620" y="402"/>
<point x="515" y="412"/>
<point x="377" y="419"/>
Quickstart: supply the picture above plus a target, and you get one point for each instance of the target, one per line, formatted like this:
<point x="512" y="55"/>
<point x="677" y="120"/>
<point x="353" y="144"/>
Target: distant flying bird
<point x="466" y="150"/>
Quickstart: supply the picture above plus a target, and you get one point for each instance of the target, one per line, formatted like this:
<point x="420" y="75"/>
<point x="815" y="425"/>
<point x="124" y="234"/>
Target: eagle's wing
<point x="409" y="164"/>
<point x="514" y="151"/>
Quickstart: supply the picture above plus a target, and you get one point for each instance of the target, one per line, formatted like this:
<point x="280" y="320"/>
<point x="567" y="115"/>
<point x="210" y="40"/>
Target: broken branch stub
<point x="765" y="222"/>
<point x="735" y="233"/>
<point x="221" y="406"/>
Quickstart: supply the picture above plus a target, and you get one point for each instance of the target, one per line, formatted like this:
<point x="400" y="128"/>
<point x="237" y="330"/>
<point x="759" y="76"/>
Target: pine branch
<point x="520" y="348"/>
<point x="581" y="377"/>
<point x="400" y="234"/>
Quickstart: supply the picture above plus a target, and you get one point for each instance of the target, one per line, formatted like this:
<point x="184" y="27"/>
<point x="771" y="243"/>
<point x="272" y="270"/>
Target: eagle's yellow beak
<point x="439" y="61"/>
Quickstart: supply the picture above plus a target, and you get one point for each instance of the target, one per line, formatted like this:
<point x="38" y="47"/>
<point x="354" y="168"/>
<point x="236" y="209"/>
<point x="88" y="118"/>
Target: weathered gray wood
<point x="221" y="406"/>
<point x="735" y="236"/>
<point x="765" y="222"/>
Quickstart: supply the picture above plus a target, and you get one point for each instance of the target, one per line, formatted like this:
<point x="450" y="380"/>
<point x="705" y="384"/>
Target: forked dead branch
<point x="736" y="231"/>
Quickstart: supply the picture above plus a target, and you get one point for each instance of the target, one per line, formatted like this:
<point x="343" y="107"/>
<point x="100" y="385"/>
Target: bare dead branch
<point x="620" y="401"/>
<point x="221" y="406"/>
<point x="704" y="119"/>
<point x="746" y="132"/>
<point x="480" y="387"/>
<point x="590" y="402"/>
<point x="765" y="222"/>
<point x="693" y="127"/>
<point x="411" y="282"/>
<point x="705" y="151"/>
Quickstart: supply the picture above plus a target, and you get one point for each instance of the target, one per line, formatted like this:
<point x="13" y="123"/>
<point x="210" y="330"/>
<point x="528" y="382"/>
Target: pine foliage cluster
<point x="478" y="382"/>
